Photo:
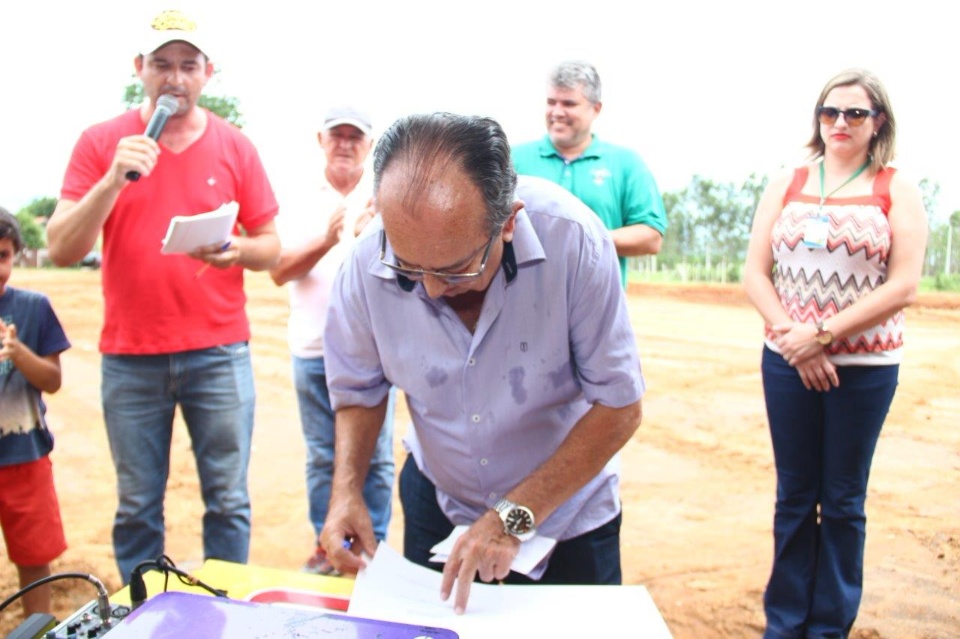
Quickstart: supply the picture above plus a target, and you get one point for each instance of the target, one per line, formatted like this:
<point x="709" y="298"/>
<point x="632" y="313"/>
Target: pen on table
<point x="203" y="268"/>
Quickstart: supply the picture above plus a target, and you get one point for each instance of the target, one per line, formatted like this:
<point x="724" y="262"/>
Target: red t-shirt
<point x="154" y="303"/>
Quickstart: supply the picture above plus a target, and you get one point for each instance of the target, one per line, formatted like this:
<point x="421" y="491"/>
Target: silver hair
<point x="575" y="74"/>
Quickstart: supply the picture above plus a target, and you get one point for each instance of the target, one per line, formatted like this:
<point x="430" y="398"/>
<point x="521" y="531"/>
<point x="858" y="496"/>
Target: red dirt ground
<point x="698" y="485"/>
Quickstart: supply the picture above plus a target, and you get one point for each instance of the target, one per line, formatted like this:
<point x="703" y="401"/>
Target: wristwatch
<point x="517" y="520"/>
<point x="824" y="336"/>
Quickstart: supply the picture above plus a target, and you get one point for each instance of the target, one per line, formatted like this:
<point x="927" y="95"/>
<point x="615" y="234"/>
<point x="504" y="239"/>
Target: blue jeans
<point x="590" y="559"/>
<point x="823" y="444"/>
<point x="317" y="420"/>
<point x="214" y="389"/>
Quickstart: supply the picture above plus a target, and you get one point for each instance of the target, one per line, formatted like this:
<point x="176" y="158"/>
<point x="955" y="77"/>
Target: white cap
<point x="347" y="115"/>
<point x="172" y="26"/>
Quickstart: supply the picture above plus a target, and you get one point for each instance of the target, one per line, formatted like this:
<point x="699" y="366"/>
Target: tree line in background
<point x="707" y="237"/>
<point x="709" y="229"/>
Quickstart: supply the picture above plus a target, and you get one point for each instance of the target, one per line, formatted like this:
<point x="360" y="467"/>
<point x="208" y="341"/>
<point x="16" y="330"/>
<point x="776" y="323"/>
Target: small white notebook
<point x="187" y="233"/>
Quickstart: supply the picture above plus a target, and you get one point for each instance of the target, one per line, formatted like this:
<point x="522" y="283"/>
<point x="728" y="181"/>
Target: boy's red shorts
<point x="30" y="513"/>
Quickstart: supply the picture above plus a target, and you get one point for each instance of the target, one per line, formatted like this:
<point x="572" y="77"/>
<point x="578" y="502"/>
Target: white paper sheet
<point x="394" y="589"/>
<point x="187" y="233"/>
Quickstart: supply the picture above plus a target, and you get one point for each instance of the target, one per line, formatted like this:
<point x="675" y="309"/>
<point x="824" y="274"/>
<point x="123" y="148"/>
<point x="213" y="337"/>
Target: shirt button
<point x="493" y="496"/>
<point x="476" y="419"/>
<point x="472" y="361"/>
<point x="484" y="462"/>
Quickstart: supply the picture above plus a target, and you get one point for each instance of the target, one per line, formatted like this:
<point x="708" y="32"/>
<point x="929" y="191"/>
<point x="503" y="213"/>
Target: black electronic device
<point x="88" y="623"/>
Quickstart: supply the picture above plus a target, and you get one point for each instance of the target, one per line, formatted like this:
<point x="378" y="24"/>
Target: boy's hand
<point x="9" y="344"/>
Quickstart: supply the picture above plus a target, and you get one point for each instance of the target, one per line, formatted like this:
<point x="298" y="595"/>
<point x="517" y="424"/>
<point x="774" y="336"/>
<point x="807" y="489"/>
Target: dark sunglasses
<point x="853" y="117"/>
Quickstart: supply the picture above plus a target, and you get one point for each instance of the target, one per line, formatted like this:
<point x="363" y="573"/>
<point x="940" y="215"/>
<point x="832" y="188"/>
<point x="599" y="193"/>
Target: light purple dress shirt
<point x="488" y="408"/>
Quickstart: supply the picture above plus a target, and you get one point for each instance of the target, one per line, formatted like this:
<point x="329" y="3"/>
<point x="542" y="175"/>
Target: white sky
<point x="720" y="89"/>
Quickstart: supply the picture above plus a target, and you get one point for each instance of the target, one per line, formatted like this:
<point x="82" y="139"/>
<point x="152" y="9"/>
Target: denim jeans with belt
<point x="214" y="390"/>
<point x="823" y="445"/>
<point x="592" y="558"/>
<point x="317" y="421"/>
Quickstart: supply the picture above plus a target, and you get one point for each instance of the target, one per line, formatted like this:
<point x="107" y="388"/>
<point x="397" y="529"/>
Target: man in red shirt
<point x="171" y="338"/>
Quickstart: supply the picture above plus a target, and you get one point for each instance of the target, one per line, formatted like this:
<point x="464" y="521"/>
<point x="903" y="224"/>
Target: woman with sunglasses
<point x="836" y="252"/>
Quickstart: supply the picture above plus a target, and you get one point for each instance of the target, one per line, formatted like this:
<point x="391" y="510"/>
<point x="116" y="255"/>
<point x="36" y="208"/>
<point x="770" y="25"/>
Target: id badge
<point x="815" y="231"/>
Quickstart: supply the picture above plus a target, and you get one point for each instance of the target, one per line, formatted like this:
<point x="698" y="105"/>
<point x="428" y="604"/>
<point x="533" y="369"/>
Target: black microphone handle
<point x="166" y="105"/>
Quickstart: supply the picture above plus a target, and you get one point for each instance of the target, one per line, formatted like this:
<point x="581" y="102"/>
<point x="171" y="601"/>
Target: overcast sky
<point x="719" y="89"/>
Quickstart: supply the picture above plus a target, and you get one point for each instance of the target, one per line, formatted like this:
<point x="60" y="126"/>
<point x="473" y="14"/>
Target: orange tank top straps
<point x="881" y="187"/>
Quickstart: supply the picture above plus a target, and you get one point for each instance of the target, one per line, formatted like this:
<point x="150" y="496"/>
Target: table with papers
<point x="394" y="589"/>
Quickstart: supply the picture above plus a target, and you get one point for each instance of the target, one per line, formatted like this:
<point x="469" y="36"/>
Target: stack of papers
<point x="187" y="233"/>
<point x="394" y="589"/>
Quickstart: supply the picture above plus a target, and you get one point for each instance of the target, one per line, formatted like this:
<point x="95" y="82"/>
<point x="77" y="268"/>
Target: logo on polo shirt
<point x="600" y="176"/>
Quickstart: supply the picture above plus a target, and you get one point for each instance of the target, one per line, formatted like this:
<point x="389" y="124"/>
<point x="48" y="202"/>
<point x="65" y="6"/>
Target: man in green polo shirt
<point x="610" y="179"/>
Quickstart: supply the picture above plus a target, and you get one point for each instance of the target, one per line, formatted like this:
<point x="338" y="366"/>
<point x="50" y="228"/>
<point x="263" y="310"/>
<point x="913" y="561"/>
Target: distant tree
<point x="937" y="258"/>
<point x="226" y="107"/>
<point x="39" y="207"/>
<point x="678" y="239"/>
<point x="30" y="230"/>
<point x="710" y="221"/>
<point x="930" y="191"/>
<point x="951" y="251"/>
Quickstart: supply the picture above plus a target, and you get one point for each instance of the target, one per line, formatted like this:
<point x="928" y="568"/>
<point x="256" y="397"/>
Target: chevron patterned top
<point x="816" y="283"/>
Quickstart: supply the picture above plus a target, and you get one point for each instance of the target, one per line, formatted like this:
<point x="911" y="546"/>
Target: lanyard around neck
<point x="823" y="198"/>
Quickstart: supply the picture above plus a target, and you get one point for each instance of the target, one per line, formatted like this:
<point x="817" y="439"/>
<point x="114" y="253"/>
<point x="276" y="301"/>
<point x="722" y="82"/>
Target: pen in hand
<point x="203" y="268"/>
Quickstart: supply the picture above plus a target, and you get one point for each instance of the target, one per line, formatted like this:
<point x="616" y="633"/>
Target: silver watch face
<point x="519" y="521"/>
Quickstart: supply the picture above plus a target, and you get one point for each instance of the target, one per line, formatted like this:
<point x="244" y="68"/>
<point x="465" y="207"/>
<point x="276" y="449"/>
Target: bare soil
<point x="698" y="478"/>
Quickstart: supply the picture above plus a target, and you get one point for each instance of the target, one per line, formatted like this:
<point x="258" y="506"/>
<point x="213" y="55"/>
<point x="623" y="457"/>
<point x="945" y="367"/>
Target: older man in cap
<point x="316" y="233"/>
<point x="170" y="338"/>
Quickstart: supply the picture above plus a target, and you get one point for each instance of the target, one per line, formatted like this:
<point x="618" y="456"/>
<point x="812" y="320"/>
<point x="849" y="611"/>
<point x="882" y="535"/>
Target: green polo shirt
<point x="612" y="180"/>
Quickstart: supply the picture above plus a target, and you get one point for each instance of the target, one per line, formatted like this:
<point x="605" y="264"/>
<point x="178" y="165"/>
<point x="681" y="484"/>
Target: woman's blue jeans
<point x="823" y="445"/>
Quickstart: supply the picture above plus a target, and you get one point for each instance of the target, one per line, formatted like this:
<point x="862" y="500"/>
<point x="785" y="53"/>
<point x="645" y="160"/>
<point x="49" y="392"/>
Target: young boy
<point x="31" y="340"/>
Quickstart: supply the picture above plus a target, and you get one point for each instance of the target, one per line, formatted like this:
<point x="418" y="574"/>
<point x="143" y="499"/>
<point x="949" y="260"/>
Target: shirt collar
<point x="547" y="149"/>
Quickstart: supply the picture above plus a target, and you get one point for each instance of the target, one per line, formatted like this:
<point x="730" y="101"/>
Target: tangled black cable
<point x="138" y="589"/>
<point x="103" y="602"/>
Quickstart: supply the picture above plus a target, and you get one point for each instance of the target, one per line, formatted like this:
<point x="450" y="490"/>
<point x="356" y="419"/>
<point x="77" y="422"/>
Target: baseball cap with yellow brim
<point x="172" y="26"/>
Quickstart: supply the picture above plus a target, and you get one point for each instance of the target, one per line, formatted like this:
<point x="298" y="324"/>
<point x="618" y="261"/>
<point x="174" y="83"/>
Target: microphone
<point x="166" y="106"/>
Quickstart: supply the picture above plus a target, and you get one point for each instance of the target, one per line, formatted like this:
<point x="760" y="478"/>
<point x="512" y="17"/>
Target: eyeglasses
<point x="417" y="274"/>
<point x="853" y="117"/>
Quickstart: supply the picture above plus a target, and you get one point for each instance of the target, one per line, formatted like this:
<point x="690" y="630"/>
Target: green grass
<point x="941" y="283"/>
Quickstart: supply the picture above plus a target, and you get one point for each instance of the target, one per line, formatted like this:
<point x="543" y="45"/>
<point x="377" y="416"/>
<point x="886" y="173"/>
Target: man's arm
<point x="486" y="550"/>
<point x="636" y="239"/>
<point x="75" y="225"/>
<point x="644" y="218"/>
<point x="296" y="262"/>
<point x="260" y="247"/>
<point x="356" y="432"/>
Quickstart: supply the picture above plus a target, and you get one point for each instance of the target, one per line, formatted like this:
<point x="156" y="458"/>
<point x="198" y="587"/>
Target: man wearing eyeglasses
<point x="612" y="180"/>
<point x="316" y="234"/>
<point x="495" y="304"/>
